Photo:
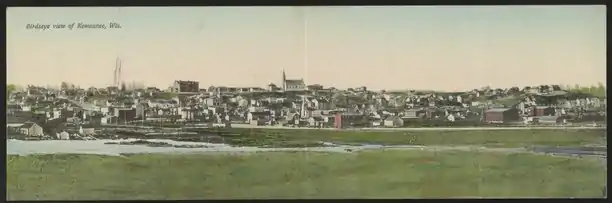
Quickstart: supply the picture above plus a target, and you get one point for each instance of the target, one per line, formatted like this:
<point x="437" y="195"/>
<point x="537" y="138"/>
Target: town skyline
<point x="439" y="48"/>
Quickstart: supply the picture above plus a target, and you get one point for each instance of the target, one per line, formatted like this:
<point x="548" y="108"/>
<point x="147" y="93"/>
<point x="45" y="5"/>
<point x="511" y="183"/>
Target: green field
<point x="372" y="174"/>
<point x="494" y="138"/>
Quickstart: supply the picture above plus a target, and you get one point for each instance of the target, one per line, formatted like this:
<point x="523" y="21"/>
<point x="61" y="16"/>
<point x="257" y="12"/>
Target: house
<point x="258" y="115"/>
<point x="152" y="89"/>
<point x="316" y="121"/>
<point x="375" y="122"/>
<point x="19" y="118"/>
<point x="550" y="120"/>
<point x="323" y="103"/>
<point x="87" y="130"/>
<point x="292" y="116"/>
<point x="211" y="101"/>
<point x="361" y="89"/>
<point x="415" y="113"/>
<point x="141" y="110"/>
<point x="393" y="121"/>
<point x="125" y="114"/>
<point x="543" y="111"/>
<point x="188" y="113"/>
<point x="12" y="108"/>
<point x="314" y="87"/>
<point x="113" y="89"/>
<point x="347" y="119"/>
<point x="105" y="120"/>
<point x="31" y="129"/>
<point x="161" y="103"/>
<point x="185" y="86"/>
<point x="63" y="135"/>
<point x="272" y="87"/>
<point x="293" y="85"/>
<point x="501" y="115"/>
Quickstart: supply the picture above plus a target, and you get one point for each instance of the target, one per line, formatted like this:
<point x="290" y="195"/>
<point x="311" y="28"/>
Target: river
<point x="19" y="147"/>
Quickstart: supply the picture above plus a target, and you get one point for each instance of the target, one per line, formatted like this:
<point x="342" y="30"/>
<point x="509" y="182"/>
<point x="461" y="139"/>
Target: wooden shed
<point x="501" y="115"/>
<point x="543" y="111"/>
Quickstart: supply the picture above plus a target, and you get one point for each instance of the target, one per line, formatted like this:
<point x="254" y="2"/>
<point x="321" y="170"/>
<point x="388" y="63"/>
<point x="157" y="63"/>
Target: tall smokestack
<point x="119" y="79"/>
<point x="115" y="72"/>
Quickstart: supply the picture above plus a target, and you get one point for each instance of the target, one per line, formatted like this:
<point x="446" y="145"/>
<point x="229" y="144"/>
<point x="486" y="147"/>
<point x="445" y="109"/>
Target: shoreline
<point x="102" y="147"/>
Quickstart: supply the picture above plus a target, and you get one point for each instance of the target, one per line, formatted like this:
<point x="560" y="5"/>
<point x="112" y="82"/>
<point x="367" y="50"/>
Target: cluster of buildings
<point x="38" y="111"/>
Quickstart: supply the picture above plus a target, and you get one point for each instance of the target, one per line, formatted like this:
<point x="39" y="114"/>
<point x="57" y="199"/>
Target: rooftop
<point x="498" y="110"/>
<point x="295" y="82"/>
<point x="28" y="124"/>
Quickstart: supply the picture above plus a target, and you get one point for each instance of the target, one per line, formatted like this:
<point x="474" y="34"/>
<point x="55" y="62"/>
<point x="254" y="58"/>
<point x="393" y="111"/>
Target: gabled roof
<point x="19" y="117"/>
<point x="28" y="124"/>
<point x="295" y="82"/>
<point x="13" y="106"/>
<point x="317" y="118"/>
<point x="260" y="113"/>
<point x="497" y="110"/>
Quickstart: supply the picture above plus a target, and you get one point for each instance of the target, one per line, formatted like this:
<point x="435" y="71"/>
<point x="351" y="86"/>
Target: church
<point x="293" y="85"/>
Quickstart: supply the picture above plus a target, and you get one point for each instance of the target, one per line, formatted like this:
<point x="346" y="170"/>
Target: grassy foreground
<point x="499" y="138"/>
<point x="373" y="174"/>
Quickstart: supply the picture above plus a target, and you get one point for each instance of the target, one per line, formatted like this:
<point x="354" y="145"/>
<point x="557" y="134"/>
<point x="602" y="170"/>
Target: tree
<point x="526" y="88"/>
<point x="514" y="90"/>
<point x="544" y="88"/>
<point x="10" y="88"/>
<point x="599" y="90"/>
<point x="64" y="86"/>
<point x="556" y="88"/>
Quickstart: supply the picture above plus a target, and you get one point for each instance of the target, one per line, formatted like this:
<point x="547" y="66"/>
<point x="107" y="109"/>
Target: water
<point x="19" y="147"/>
<point x="572" y="151"/>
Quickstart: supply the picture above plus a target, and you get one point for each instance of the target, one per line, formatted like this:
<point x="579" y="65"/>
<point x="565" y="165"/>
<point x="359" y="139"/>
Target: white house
<point x="63" y="135"/>
<point x="393" y="121"/>
<point x="315" y="103"/>
<point x="450" y="118"/>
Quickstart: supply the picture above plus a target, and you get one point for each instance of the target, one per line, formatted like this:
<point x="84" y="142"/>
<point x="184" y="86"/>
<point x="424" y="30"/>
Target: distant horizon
<point x="441" y="48"/>
<point x="144" y="86"/>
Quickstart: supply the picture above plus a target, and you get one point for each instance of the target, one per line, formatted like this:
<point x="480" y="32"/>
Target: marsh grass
<point x="372" y="174"/>
<point x="497" y="138"/>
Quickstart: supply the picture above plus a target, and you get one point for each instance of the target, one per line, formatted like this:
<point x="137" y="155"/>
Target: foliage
<point x="510" y="138"/>
<point x="598" y="90"/>
<point x="370" y="174"/>
<point x="10" y="88"/>
<point x="347" y="100"/>
<point x="64" y="85"/>
<point x="164" y="95"/>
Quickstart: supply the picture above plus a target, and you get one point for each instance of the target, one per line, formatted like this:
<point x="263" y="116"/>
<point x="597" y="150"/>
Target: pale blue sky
<point x="432" y="47"/>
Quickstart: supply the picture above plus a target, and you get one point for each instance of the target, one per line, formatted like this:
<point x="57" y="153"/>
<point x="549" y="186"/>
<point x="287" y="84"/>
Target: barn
<point x="543" y="111"/>
<point x="501" y="115"/>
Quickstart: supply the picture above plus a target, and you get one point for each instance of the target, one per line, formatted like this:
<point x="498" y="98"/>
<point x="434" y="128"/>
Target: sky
<point x="394" y="47"/>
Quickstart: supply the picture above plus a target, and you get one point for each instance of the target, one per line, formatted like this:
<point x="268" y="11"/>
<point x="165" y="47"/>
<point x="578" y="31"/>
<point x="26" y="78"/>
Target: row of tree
<point x="9" y="89"/>
<point x="598" y="90"/>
